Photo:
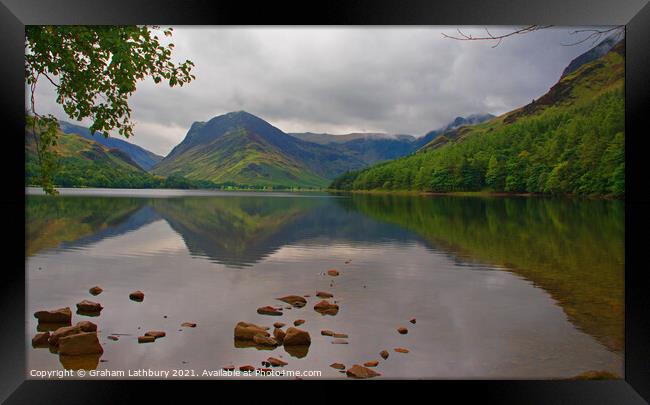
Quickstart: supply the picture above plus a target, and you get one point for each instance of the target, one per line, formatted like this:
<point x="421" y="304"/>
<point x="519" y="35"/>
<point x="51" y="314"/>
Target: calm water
<point x="500" y="287"/>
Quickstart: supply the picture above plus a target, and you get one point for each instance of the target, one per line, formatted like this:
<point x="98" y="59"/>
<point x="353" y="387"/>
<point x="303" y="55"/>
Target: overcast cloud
<point x="406" y="80"/>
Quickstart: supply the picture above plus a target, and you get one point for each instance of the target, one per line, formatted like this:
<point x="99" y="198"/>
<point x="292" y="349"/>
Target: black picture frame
<point x="635" y="14"/>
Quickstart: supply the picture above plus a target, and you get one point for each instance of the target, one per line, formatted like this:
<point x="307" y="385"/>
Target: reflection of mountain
<point x="572" y="249"/>
<point x="240" y="231"/>
<point x="52" y="221"/>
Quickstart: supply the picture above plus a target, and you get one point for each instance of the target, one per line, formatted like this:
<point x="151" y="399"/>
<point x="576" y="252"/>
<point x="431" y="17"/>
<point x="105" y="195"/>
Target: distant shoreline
<point x="474" y="194"/>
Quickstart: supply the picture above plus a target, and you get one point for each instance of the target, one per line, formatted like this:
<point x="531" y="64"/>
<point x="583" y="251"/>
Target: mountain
<point x="144" y="158"/>
<point x="241" y="148"/>
<point x="568" y="141"/>
<point x="85" y="163"/>
<point x="325" y="139"/>
<point x="594" y="53"/>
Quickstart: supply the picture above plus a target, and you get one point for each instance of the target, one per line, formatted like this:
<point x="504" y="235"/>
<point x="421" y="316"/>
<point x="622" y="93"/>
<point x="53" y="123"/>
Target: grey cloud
<point x="337" y="80"/>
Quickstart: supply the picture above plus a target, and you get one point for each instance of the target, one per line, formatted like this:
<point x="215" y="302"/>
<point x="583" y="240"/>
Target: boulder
<point x="268" y="310"/>
<point x="384" y="354"/>
<point x="276" y="362"/>
<point x="80" y="343"/>
<point x="87" y="326"/>
<point x="96" y="290"/>
<point x="146" y="339"/>
<point x="278" y="325"/>
<point x="265" y="341"/>
<point x="41" y="339"/>
<point x="326" y="308"/>
<point x="299" y="351"/>
<point x="332" y="272"/>
<point x="357" y="371"/>
<point x="279" y="334"/>
<point x="323" y="294"/>
<point x="297" y="337"/>
<point x="295" y="300"/>
<point x="401" y="350"/>
<point x="56" y="316"/>
<point x="62" y="332"/>
<point x="326" y="332"/>
<point x="137" y="296"/>
<point x="338" y="366"/>
<point x="402" y="330"/>
<point x="298" y="322"/>
<point x="246" y="331"/>
<point x="155" y="333"/>
<point x="372" y="363"/>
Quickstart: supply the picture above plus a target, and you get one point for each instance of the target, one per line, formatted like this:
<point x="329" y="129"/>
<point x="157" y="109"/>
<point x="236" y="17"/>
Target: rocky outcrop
<point x="89" y="306"/>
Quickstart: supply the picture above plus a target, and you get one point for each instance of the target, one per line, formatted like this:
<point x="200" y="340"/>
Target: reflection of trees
<point x="572" y="249"/>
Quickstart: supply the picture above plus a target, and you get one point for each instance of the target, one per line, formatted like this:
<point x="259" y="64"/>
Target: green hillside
<point x="569" y="141"/>
<point x="85" y="163"/>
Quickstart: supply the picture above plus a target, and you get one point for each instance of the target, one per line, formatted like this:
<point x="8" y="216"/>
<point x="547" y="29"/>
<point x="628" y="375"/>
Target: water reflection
<point x="572" y="249"/>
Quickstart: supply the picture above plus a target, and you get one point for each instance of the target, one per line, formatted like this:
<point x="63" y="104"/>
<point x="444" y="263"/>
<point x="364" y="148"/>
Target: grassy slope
<point x="539" y="126"/>
<point x="242" y="158"/>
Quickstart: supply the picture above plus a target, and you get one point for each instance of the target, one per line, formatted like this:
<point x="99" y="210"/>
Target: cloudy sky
<point x="406" y="80"/>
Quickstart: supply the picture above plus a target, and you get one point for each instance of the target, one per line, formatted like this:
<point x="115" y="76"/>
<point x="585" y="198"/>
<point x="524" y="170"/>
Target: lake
<point x="500" y="287"/>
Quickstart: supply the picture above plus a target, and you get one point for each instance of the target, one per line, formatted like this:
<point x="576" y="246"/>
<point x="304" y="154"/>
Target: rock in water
<point x="295" y="300"/>
<point x="155" y="333"/>
<point x="401" y="350"/>
<point x="246" y="331"/>
<point x="265" y="341"/>
<point x="372" y="363"/>
<point x="323" y="294"/>
<point x="137" y="296"/>
<point x="298" y="322"/>
<point x="146" y="339"/>
<point x="41" y="339"/>
<point x="412" y="320"/>
<point x="61" y="315"/>
<point x="247" y="368"/>
<point x="278" y="325"/>
<point x="339" y="342"/>
<point x="357" y="371"/>
<point x="81" y="343"/>
<point x="297" y="337"/>
<point x="87" y="326"/>
<point x="268" y="310"/>
<point x="96" y="290"/>
<point x="384" y="354"/>
<point x="89" y="306"/>
<point x="340" y="335"/>
<point x="83" y="326"/>
<point x="326" y="332"/>
<point x="111" y="337"/>
<point x="188" y="325"/>
<point x="332" y="272"/>
<point x="326" y="308"/>
<point x="402" y="330"/>
<point x="278" y="334"/>
<point x="276" y="362"/>
<point x="338" y="366"/>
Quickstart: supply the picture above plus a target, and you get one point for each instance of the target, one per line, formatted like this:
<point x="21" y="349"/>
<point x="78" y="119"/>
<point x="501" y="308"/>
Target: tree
<point x="94" y="70"/>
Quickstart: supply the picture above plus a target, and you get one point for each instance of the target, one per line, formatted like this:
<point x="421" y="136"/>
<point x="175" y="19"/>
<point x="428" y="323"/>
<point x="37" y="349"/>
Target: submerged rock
<point x="155" y="333"/>
<point x="297" y="337"/>
<point x="188" y="325"/>
<point x="338" y="366"/>
<point x="401" y="350"/>
<point x="96" y="290"/>
<point x="279" y="334"/>
<point x="384" y="354"/>
<point x="80" y="343"/>
<point x="340" y="335"/>
<point x="298" y="322"/>
<point x="268" y="310"/>
<point x="41" y="339"/>
<point x="295" y="300"/>
<point x="276" y="362"/>
<point x="323" y="294"/>
<point x="326" y="332"/>
<point x="146" y="339"/>
<point x="111" y="337"/>
<point x="246" y="331"/>
<point x="372" y="363"/>
<point x="80" y="361"/>
<point x="412" y="320"/>
<point x="56" y="316"/>
<point x="357" y="371"/>
<point x="402" y="330"/>
<point x="332" y="272"/>
<point x="137" y="296"/>
<point x="299" y="351"/>
<point x="339" y="342"/>
<point x="265" y="341"/>
<point x="83" y="326"/>
<point x="326" y="308"/>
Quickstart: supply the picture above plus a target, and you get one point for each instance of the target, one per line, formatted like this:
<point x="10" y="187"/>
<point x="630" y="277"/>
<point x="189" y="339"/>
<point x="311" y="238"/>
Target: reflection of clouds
<point x="157" y="237"/>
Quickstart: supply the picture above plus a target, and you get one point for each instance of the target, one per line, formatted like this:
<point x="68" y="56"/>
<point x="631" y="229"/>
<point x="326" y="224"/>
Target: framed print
<point x="414" y="195"/>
